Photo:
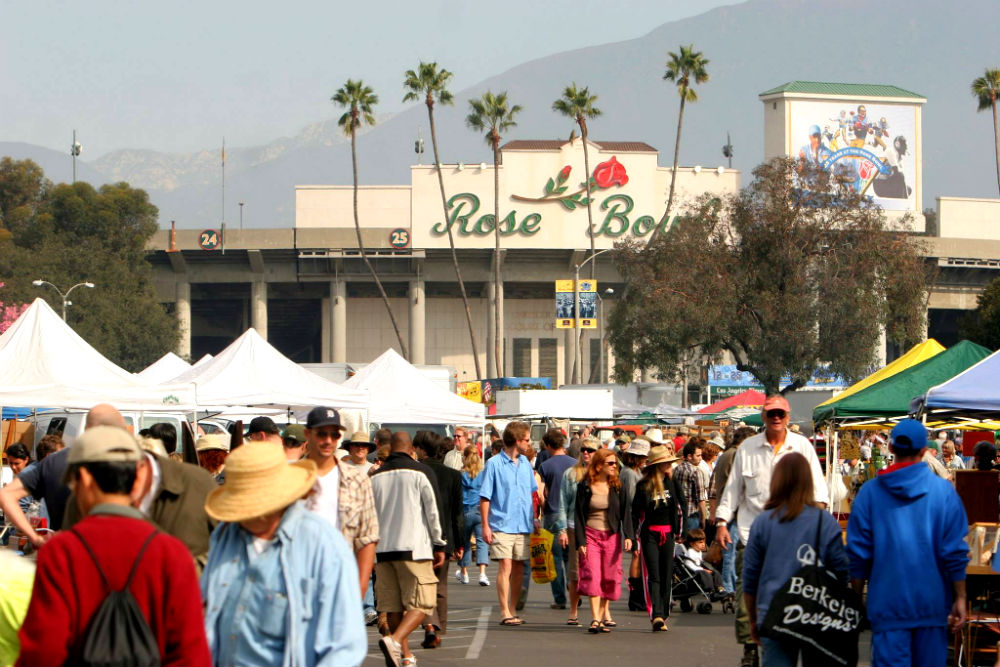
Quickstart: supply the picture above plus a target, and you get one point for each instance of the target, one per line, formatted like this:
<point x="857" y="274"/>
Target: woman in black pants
<point x="656" y="513"/>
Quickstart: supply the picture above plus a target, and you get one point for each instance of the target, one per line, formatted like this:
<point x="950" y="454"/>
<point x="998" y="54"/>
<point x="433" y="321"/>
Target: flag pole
<point x="223" y="195"/>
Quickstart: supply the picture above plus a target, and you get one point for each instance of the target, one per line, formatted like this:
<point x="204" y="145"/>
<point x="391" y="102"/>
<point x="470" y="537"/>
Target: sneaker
<point x="484" y="580"/>
<point x="392" y="651"/>
<point x="465" y="578"/>
<point x="750" y="657"/>
<point x="410" y="661"/>
<point x="460" y="577"/>
<point x="371" y="617"/>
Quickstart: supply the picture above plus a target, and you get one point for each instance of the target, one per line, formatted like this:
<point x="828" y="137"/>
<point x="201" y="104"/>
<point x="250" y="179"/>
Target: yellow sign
<point x="588" y="304"/>
<point x="471" y="390"/>
<point x="565" y="304"/>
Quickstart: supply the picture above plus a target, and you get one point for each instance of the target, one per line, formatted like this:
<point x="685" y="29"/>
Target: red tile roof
<point x="556" y="144"/>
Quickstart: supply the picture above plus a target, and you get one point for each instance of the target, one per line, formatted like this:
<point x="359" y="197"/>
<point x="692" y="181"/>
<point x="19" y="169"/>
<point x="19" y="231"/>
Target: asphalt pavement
<point x="475" y="636"/>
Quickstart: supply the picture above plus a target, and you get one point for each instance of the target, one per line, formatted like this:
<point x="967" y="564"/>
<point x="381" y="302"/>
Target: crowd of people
<point x="280" y="550"/>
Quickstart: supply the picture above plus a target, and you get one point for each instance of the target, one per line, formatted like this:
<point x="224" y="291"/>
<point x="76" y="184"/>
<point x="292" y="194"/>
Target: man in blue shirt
<point x="915" y="522"/>
<point x="508" y="515"/>
<point x="281" y="584"/>
<point x="551" y="472"/>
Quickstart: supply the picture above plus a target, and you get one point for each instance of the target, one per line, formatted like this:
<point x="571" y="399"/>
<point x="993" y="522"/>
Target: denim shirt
<point x="470" y="490"/>
<point x="297" y="603"/>
<point x="567" y="501"/>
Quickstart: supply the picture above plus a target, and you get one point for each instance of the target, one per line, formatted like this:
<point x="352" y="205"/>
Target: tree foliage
<point x="982" y="325"/>
<point x="985" y="89"/>
<point x="786" y="278"/>
<point x="67" y="234"/>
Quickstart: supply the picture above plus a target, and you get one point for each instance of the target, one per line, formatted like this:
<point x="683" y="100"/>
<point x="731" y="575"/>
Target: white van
<point x="69" y="423"/>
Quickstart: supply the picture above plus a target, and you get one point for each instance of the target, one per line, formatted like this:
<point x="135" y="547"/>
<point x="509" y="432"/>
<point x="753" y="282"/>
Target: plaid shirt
<point x="356" y="507"/>
<point x="689" y="484"/>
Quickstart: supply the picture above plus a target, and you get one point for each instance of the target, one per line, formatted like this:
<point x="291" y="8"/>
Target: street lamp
<point x="578" y="369"/>
<point x="241" y="216"/>
<point x="64" y="297"/>
<point x="600" y="321"/>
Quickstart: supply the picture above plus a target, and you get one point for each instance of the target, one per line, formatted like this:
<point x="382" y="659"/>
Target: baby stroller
<point x="688" y="590"/>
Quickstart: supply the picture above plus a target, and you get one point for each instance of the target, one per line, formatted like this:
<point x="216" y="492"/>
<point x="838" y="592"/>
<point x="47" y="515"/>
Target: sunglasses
<point x="780" y="414"/>
<point x="588" y="450"/>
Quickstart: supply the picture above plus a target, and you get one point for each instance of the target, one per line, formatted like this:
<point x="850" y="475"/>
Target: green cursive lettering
<point x="456" y="204"/>
<point x="530" y="223"/>
<point x="643" y="225"/>
<point x="615" y="217"/>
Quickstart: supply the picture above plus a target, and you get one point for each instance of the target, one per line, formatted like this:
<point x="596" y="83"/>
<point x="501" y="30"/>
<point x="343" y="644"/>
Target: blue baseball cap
<point x="909" y="435"/>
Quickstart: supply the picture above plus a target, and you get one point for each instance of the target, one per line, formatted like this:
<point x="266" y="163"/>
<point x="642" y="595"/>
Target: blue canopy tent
<point x="972" y="394"/>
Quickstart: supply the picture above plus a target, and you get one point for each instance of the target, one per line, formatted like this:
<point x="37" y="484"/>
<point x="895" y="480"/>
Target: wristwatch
<point x="720" y="522"/>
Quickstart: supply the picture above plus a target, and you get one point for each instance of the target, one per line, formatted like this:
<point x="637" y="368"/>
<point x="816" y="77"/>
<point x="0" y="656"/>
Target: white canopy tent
<point x="251" y="373"/>
<point x="45" y="364"/>
<point x="401" y="394"/>
<point x="164" y="369"/>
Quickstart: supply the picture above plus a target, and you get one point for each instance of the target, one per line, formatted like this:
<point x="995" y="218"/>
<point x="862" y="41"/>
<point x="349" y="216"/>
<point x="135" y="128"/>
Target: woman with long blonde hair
<point x="601" y="522"/>
<point x="655" y="514"/>
<point x="472" y="466"/>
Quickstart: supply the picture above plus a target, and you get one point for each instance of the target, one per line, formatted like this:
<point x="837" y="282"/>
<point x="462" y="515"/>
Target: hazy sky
<point x="178" y="76"/>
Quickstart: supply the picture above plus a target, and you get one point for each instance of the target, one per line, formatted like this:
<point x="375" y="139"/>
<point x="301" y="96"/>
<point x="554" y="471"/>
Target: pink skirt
<point x="601" y="568"/>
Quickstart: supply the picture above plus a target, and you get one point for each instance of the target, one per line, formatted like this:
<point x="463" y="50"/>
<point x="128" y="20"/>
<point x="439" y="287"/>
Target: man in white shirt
<point x="453" y="459"/>
<point x="748" y="489"/>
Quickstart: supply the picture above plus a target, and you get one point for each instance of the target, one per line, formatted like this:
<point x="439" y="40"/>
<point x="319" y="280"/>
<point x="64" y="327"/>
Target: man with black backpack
<point x="113" y="589"/>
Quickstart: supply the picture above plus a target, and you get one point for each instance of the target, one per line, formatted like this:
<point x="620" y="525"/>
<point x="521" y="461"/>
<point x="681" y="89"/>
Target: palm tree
<point x="360" y="100"/>
<point x="578" y="104"/>
<point x="986" y="88"/>
<point x="682" y="68"/>
<point x="492" y="114"/>
<point x="429" y="82"/>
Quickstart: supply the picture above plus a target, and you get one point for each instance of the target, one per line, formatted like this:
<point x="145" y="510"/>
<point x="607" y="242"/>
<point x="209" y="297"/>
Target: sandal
<point x="595" y="627"/>
<point x="610" y="623"/>
<point x="510" y="620"/>
<point x="605" y="628"/>
<point x="573" y="621"/>
<point x="659" y="625"/>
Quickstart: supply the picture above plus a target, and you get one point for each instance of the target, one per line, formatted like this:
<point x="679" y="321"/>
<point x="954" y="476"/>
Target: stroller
<point x="688" y="590"/>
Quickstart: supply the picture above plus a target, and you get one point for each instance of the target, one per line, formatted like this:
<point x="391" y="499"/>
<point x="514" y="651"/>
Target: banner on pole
<point x="588" y="304"/>
<point x="565" y="305"/>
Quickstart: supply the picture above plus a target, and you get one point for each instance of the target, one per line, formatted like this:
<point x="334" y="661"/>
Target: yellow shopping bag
<point x="543" y="565"/>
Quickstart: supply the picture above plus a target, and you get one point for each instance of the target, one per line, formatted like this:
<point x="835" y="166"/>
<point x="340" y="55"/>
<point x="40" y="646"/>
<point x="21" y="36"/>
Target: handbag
<point x="817" y="612"/>
<point x="543" y="564"/>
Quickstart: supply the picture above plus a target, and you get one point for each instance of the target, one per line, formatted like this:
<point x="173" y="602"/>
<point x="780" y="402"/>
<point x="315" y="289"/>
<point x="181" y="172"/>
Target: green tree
<point x="431" y="84"/>
<point x="787" y="279"/>
<point x="493" y="114"/>
<point x="578" y="104"/>
<point x="684" y="68"/>
<point x="982" y="325"/>
<point x="67" y="234"/>
<point x="360" y="101"/>
<point x="985" y="90"/>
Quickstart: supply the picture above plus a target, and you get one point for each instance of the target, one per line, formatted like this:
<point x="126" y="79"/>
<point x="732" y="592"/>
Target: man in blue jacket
<point x="908" y="520"/>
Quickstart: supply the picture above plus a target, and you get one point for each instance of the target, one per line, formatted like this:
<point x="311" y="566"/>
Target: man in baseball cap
<point x="294" y="441"/>
<point x="263" y="429"/>
<point x="342" y="494"/>
<point x="913" y="520"/>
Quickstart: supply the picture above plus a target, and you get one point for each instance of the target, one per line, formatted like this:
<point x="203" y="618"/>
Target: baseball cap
<point x="103" y="444"/>
<point x="262" y="425"/>
<point x="776" y="402"/>
<point x="909" y="435"/>
<point x="296" y="432"/>
<point x="323" y="416"/>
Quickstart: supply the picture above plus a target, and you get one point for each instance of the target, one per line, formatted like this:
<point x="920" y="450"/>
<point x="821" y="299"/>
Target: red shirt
<point x="68" y="590"/>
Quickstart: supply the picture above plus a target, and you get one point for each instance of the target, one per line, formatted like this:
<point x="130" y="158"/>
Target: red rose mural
<point x="606" y="174"/>
<point x="610" y="173"/>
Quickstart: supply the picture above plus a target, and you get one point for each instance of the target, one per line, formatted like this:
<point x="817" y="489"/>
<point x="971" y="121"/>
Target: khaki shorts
<point x="574" y="556"/>
<point x="513" y="546"/>
<point x="406" y="585"/>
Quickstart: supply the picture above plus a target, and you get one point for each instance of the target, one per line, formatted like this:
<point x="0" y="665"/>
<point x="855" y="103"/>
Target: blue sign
<point x="727" y="375"/>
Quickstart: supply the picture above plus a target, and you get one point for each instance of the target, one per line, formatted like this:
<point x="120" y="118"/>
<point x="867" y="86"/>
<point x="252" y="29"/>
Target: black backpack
<point x="118" y="634"/>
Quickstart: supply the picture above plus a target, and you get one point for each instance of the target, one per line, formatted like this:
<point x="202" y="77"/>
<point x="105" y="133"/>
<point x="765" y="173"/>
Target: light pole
<point x="600" y="321"/>
<point x="241" y="216"/>
<point x="64" y="297"/>
<point x="75" y="151"/>
<point x="578" y="369"/>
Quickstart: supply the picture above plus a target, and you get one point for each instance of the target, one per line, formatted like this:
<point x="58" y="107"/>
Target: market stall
<point x="164" y="369"/>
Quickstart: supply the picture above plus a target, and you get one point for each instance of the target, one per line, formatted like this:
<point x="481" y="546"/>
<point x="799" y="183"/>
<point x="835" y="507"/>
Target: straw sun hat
<point x="259" y="482"/>
<point x="659" y="454"/>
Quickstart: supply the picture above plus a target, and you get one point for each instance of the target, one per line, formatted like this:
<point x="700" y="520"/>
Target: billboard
<point x="728" y="375"/>
<point x="872" y="146"/>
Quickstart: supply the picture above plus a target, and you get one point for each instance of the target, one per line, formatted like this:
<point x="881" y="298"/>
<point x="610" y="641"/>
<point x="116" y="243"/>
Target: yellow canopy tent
<point x="918" y="353"/>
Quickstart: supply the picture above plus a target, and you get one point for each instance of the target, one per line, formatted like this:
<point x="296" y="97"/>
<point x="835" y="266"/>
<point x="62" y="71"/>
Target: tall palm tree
<point x="986" y="88"/>
<point x="360" y="101"/>
<point x="493" y="114"/>
<point x="684" y="69"/>
<point x="578" y="104"/>
<point x="429" y="82"/>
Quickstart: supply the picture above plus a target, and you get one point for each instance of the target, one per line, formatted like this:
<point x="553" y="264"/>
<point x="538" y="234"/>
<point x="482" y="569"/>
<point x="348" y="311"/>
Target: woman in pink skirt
<point x="602" y="519"/>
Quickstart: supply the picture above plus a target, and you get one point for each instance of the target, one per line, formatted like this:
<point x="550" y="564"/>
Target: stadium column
<point x="258" y="307"/>
<point x="183" y="309"/>
<point x="338" y="321"/>
<point x="417" y="322"/>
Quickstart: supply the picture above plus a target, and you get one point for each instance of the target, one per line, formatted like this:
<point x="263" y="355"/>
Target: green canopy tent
<point x="891" y="397"/>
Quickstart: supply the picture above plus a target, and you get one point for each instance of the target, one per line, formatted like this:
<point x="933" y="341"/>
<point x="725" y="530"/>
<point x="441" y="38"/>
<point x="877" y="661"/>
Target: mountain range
<point x="919" y="45"/>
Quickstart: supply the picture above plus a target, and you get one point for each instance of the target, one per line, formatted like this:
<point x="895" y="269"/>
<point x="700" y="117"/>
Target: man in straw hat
<point x="411" y="547"/>
<point x="78" y="568"/>
<point x="280" y="587"/>
<point x="342" y="493"/>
